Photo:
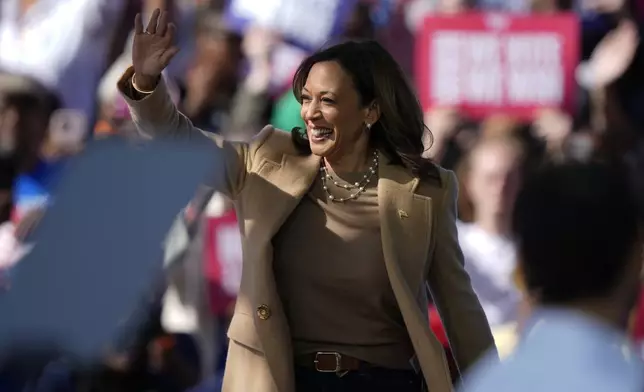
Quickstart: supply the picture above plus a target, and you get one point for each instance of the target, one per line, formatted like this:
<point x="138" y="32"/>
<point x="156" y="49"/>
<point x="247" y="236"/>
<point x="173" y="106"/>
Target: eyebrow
<point x="304" y="89"/>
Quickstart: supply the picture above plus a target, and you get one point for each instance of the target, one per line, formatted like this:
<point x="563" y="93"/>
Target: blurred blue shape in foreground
<point x="98" y="250"/>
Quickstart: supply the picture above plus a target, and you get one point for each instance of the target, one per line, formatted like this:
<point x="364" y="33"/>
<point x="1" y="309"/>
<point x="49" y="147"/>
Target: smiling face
<point x="334" y="115"/>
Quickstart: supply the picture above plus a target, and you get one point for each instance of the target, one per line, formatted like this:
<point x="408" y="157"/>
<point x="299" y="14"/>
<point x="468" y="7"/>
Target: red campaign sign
<point x="498" y="63"/>
<point x="223" y="260"/>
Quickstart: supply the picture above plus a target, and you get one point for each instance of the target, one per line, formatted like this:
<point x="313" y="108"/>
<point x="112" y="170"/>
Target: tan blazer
<point x="267" y="178"/>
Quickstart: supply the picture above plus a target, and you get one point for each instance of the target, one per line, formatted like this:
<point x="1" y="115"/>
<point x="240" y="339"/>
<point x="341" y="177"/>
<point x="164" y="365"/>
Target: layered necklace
<point x="357" y="188"/>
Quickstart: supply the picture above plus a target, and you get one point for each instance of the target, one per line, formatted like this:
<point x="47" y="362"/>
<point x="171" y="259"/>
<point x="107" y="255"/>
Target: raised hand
<point x="259" y="43"/>
<point x="553" y="126"/>
<point x="153" y="48"/>
<point x="613" y="55"/>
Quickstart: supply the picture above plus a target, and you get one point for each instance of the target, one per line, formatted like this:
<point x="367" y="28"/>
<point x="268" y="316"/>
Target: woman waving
<point x="344" y="226"/>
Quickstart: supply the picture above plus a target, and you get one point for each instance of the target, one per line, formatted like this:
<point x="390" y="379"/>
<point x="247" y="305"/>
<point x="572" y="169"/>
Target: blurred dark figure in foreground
<point x="580" y="258"/>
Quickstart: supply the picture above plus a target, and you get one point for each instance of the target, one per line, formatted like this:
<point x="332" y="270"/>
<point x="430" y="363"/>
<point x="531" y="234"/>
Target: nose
<point x="310" y="110"/>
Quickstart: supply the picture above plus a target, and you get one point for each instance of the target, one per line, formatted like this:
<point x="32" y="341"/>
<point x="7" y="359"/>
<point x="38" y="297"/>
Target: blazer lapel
<point x="297" y="173"/>
<point x="406" y="230"/>
<point x="289" y="181"/>
<point x="405" y="223"/>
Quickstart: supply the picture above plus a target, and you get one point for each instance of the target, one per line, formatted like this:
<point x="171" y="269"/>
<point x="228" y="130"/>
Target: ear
<point x="372" y="113"/>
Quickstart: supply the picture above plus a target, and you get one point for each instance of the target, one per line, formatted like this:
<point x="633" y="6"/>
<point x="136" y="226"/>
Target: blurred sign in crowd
<point x="496" y="63"/>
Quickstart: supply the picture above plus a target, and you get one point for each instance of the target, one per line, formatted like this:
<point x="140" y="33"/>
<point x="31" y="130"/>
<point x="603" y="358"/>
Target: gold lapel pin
<point x="402" y="214"/>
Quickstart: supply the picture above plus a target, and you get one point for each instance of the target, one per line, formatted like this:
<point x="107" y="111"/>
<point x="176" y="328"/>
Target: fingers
<point x="154" y="20"/>
<point x="138" y="24"/>
<point x="162" y="27"/>
<point x="158" y="23"/>
<point x="172" y="51"/>
<point x="170" y="32"/>
<point x="168" y="55"/>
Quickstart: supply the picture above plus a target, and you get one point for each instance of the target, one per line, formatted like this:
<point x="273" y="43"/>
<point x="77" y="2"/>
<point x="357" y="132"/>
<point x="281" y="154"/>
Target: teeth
<point x="317" y="132"/>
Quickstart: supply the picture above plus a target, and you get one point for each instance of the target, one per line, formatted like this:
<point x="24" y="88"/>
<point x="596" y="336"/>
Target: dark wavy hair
<point x="376" y="76"/>
<point x="576" y="226"/>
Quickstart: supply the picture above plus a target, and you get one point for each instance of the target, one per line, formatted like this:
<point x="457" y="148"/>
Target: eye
<point x="328" y="100"/>
<point x="304" y="98"/>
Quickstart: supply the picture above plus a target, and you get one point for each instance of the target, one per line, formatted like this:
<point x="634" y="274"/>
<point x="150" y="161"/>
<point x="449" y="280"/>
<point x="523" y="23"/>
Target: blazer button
<point x="263" y="312"/>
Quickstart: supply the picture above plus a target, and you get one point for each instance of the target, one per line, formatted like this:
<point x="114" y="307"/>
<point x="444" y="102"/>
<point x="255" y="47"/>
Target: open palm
<point x="153" y="47"/>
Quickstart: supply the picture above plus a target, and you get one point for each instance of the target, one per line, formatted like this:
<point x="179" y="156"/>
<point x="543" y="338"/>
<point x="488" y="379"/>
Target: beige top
<point x="331" y="276"/>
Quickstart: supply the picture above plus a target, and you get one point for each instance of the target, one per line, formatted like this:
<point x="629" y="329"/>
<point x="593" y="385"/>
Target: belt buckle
<point x="338" y="360"/>
<point x="338" y="364"/>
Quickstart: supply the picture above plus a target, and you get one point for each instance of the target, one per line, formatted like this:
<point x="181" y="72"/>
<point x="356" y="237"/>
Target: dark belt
<point x="329" y="362"/>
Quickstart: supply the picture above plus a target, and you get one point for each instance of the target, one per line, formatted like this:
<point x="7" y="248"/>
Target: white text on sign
<point x="518" y="69"/>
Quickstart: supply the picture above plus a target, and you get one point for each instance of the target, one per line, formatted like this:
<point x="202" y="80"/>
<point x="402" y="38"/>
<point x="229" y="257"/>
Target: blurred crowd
<point x="60" y="61"/>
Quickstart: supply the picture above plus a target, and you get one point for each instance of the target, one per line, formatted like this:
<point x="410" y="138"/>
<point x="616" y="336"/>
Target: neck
<point x="498" y="224"/>
<point x="359" y="159"/>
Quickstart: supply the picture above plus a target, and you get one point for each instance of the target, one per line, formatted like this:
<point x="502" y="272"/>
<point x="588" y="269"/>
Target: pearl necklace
<point x="358" y="186"/>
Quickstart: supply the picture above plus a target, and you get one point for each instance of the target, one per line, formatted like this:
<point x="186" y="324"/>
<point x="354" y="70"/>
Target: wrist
<point x="144" y="83"/>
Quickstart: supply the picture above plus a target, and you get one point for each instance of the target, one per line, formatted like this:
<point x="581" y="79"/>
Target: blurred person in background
<point x="273" y="332"/>
<point x="490" y="175"/>
<point x="549" y="137"/>
<point x="212" y="74"/>
<point x="493" y="176"/>
<point x="453" y="136"/>
<point x="26" y="108"/>
<point x="37" y="38"/>
<point x="217" y="97"/>
<point x="610" y="78"/>
<point x="578" y="233"/>
<point x="360" y="25"/>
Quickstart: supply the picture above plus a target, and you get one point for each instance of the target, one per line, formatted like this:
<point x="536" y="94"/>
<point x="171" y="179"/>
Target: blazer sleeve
<point x="465" y="323"/>
<point x="155" y="115"/>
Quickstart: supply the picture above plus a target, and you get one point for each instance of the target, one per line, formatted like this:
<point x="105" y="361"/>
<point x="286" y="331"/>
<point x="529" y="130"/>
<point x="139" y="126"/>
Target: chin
<point x="323" y="149"/>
